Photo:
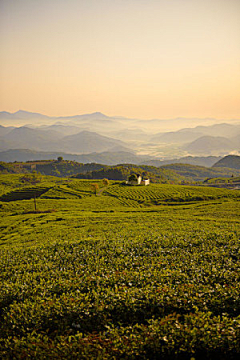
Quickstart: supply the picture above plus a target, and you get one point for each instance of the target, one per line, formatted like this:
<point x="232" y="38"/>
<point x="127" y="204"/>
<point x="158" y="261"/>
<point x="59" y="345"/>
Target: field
<point x="133" y="273"/>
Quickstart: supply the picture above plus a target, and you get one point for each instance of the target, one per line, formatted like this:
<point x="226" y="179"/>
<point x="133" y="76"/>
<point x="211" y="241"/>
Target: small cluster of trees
<point x="95" y="186"/>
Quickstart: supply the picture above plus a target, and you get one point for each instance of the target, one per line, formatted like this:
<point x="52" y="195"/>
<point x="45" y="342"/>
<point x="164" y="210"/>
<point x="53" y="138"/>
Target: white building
<point x="137" y="181"/>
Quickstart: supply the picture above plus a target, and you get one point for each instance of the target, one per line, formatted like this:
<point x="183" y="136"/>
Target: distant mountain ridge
<point x="191" y="134"/>
<point x="26" y="115"/>
<point x="206" y="161"/>
<point x="22" y="115"/>
<point x="97" y="132"/>
<point x="106" y="157"/>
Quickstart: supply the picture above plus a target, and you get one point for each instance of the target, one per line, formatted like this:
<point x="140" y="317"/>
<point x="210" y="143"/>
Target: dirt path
<point x="101" y="191"/>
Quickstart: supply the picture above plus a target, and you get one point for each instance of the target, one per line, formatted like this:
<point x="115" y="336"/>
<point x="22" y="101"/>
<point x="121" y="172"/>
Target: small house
<point x="145" y="182"/>
<point x="136" y="179"/>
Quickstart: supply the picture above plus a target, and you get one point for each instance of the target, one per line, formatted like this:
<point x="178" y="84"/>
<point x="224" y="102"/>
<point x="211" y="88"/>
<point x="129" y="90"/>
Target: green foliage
<point x="49" y="167"/>
<point x="11" y="168"/>
<point x="105" y="182"/>
<point x="95" y="188"/>
<point x="32" y="178"/>
<point x="133" y="177"/>
<point x="116" y="276"/>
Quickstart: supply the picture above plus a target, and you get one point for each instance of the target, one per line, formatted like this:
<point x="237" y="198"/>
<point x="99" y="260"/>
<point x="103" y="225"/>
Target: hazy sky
<point x="136" y="58"/>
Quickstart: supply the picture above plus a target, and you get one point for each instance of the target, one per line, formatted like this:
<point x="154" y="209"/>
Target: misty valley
<point x="95" y="137"/>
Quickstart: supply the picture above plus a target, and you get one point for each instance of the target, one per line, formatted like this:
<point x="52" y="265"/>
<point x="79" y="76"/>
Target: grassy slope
<point x="11" y="186"/>
<point x="106" y="276"/>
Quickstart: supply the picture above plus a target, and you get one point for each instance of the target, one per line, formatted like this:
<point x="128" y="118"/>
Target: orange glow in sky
<point x="136" y="58"/>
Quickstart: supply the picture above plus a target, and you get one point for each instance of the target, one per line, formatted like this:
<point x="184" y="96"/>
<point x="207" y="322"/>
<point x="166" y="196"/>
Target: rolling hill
<point x="229" y="161"/>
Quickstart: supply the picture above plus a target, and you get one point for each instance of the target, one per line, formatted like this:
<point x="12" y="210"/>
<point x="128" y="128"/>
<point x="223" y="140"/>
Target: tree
<point x="60" y="158"/>
<point x="105" y="182"/>
<point x="33" y="179"/>
<point x="133" y="177"/>
<point x="95" y="188"/>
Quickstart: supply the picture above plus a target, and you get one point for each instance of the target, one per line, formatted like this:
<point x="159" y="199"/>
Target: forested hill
<point x="229" y="161"/>
<point x="49" y="167"/>
<point x="65" y="168"/>
<point x="121" y="172"/>
<point x="174" y="173"/>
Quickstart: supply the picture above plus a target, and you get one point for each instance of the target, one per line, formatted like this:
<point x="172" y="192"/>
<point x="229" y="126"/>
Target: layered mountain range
<point x="136" y="139"/>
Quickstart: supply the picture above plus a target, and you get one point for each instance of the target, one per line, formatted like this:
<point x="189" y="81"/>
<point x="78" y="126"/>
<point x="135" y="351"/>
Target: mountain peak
<point x="22" y="114"/>
<point x="97" y="114"/>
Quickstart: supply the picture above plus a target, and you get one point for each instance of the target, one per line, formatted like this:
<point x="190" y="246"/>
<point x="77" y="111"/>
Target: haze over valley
<point x="125" y="138"/>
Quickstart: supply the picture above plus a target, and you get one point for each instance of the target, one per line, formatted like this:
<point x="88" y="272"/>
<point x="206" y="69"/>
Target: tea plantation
<point x="132" y="273"/>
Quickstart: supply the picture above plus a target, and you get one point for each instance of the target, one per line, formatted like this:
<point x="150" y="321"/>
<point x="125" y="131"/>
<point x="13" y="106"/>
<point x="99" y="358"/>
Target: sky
<point x="136" y="58"/>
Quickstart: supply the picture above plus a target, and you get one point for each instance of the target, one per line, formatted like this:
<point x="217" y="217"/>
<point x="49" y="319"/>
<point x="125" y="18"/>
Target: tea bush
<point x="109" y="277"/>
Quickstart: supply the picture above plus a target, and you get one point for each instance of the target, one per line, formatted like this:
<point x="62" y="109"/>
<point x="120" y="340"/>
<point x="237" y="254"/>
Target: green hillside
<point x="61" y="168"/>
<point x="134" y="272"/>
<point x="122" y="172"/>
<point x="173" y="173"/>
<point x="153" y="194"/>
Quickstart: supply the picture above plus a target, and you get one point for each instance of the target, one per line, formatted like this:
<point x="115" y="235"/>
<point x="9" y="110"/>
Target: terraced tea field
<point x="135" y="273"/>
<point x="156" y="194"/>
